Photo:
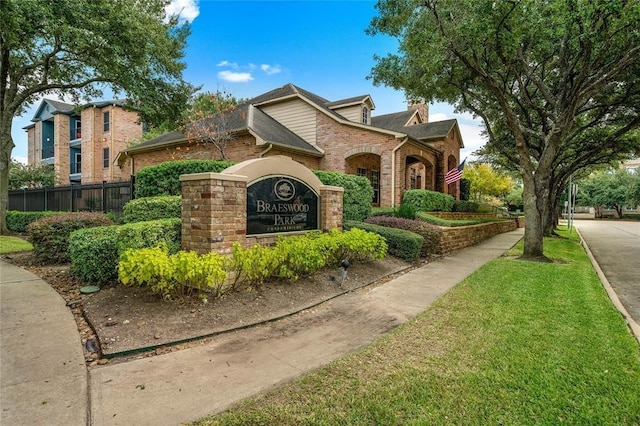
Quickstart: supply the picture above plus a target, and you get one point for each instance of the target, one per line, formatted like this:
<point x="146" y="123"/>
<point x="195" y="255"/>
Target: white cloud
<point x="235" y="77"/>
<point x="271" y="69"/>
<point x="186" y="10"/>
<point x="22" y="160"/>
<point x="226" y="63"/>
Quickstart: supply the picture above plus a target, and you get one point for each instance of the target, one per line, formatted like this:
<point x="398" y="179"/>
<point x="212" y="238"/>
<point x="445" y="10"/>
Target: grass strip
<point x="515" y="343"/>
<point x="13" y="244"/>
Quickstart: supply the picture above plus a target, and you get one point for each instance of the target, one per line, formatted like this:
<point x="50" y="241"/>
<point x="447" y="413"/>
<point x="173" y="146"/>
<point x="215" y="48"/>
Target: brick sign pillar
<point x="255" y="202"/>
<point x="214" y="211"/>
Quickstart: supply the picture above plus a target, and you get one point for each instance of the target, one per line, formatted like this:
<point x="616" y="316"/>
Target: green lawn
<point x="13" y="244"/>
<point x="517" y="343"/>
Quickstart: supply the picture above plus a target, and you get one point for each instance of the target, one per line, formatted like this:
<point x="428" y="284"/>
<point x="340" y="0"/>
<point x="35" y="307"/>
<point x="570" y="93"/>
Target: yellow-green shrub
<point x="177" y="275"/>
<point x="172" y="276"/>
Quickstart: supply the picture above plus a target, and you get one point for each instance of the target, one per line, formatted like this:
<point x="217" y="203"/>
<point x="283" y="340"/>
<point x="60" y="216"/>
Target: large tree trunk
<point x="535" y="197"/>
<point x="6" y="147"/>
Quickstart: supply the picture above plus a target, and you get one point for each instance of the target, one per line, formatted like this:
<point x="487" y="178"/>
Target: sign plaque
<point x="278" y="204"/>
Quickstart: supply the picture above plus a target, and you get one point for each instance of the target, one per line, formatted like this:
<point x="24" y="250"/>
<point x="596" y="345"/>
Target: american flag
<point x="454" y="175"/>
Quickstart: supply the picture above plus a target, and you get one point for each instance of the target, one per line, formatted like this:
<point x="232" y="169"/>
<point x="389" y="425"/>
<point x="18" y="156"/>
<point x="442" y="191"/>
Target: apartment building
<point x="81" y="141"/>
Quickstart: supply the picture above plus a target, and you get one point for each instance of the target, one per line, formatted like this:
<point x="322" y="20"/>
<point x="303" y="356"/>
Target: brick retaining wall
<point x="456" y="238"/>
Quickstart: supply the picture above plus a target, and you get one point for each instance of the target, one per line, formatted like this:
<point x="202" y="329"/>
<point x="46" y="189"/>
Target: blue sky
<point x="250" y="47"/>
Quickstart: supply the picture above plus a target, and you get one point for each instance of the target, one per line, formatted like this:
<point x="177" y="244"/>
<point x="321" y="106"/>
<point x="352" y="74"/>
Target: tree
<point x="486" y="182"/>
<point x="78" y="48"/>
<point x="542" y="75"/>
<point x="609" y="189"/>
<point x="212" y="119"/>
<point x="34" y="176"/>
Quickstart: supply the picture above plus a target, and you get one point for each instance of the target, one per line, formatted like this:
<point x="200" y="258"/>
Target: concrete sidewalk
<point x="43" y="378"/>
<point x="212" y="376"/>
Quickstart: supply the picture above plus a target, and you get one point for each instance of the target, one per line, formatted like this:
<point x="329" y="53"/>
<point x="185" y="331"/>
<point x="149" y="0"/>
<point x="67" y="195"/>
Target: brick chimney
<point x="422" y="108"/>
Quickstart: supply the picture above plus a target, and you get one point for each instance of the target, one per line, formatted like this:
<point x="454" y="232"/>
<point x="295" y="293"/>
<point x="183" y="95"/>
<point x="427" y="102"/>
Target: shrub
<point x="405" y="210"/>
<point x="164" y="178"/>
<point x="152" y="208"/>
<point x="430" y="233"/>
<point x="430" y="201"/>
<point x="94" y="252"/>
<point x="403" y="244"/>
<point x="50" y="235"/>
<point x="19" y="221"/>
<point x="382" y="211"/>
<point x="289" y="259"/>
<point x="465" y="206"/>
<point x="172" y="276"/>
<point x="358" y="193"/>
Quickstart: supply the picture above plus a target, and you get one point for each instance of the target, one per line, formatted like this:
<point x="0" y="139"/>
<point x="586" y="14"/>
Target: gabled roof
<point x="395" y="120"/>
<point x="244" y="118"/>
<point x="289" y="91"/>
<point x="355" y="100"/>
<point x="434" y="130"/>
<point x="58" y="108"/>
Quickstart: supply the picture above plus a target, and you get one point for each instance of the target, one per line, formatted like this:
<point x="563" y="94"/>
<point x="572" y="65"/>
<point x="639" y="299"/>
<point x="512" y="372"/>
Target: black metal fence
<point x="107" y="197"/>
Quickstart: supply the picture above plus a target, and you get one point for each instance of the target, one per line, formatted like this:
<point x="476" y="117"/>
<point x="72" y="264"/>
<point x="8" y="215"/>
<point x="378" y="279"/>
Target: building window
<point x="365" y="115"/>
<point x="362" y="172"/>
<point x="105" y="120"/>
<point x="105" y="158"/>
<point x="78" y="130"/>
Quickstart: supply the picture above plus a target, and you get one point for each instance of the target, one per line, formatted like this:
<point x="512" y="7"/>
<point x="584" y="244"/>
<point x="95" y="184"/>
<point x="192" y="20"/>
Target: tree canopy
<point x="33" y="176"/>
<point x="548" y="78"/>
<point x="486" y="183"/>
<point x="610" y="189"/>
<point x="77" y="49"/>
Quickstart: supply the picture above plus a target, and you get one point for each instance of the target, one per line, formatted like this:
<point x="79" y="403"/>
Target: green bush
<point x="94" y="252"/>
<point x="429" y="201"/>
<point x="288" y="259"/>
<point x="465" y="206"/>
<point x="358" y="193"/>
<point x="152" y="208"/>
<point x="405" y="210"/>
<point x="429" y="232"/>
<point x="50" y="235"/>
<point x="382" y="211"/>
<point x="173" y="276"/>
<point x="402" y="244"/>
<point x="18" y="221"/>
<point x="164" y="178"/>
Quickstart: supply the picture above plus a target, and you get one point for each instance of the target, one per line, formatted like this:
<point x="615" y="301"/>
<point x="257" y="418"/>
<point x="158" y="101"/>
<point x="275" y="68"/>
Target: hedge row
<point x="164" y="178"/>
<point x="152" y="208"/>
<point x="18" y="221"/>
<point x="358" y="193"/>
<point x="430" y="233"/>
<point x="50" y="235"/>
<point x="402" y="244"/>
<point x="94" y="252"/>
<point x="429" y="201"/>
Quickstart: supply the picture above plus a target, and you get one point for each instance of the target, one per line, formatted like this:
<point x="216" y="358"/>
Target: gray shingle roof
<point x="434" y="130"/>
<point x="243" y="118"/>
<point x="352" y="100"/>
<point x="62" y="107"/>
<point x="393" y="121"/>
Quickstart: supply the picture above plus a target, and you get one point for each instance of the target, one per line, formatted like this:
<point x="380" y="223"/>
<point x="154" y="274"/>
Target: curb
<point x="633" y="326"/>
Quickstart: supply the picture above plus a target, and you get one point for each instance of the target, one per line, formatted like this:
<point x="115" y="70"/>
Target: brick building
<point x="81" y="141"/>
<point x="395" y="152"/>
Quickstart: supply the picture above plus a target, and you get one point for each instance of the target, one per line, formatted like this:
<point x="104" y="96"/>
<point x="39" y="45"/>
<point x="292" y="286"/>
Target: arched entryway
<point x="419" y="174"/>
<point x="366" y="165"/>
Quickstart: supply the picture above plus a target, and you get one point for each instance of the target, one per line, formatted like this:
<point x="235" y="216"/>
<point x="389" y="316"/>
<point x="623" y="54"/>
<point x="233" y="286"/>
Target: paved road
<point x="616" y="247"/>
